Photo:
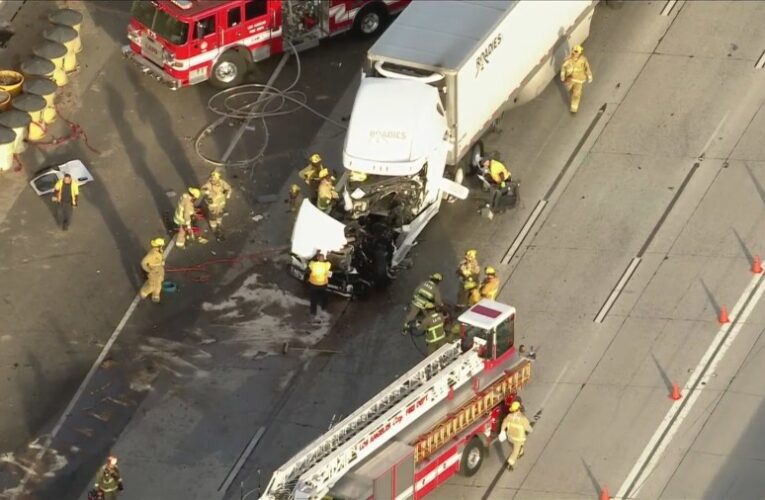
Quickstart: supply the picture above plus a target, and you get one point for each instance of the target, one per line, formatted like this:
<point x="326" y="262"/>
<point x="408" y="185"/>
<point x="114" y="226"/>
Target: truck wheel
<point x="229" y="71"/>
<point x="370" y="20"/>
<point x="472" y="457"/>
<point x="476" y="153"/>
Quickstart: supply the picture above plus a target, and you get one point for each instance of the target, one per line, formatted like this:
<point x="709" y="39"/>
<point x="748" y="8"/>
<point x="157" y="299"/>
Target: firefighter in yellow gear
<point x="184" y="215"/>
<point x="319" y="272"/>
<point x="499" y="176"/>
<point x="310" y="174"/>
<point x="294" y="198"/>
<point x="516" y="426"/>
<point x="216" y="193"/>
<point x="108" y="479"/>
<point x="473" y="292"/>
<point x="490" y="284"/>
<point x="467" y="269"/>
<point x="435" y="334"/>
<point x="327" y="194"/>
<point x="153" y="264"/>
<point x="426" y="296"/>
<point x="573" y="73"/>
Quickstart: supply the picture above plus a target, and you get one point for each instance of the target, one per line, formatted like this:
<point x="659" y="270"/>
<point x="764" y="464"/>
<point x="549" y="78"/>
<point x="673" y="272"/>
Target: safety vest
<point x="490" y="287"/>
<point x="436" y="331"/>
<point x="495" y="169"/>
<point x="319" y="273"/>
<point x="424" y="297"/>
<point x="515" y="426"/>
<point x="184" y="210"/>
<point x="577" y="70"/>
<point x="75" y="190"/>
<point x="108" y="479"/>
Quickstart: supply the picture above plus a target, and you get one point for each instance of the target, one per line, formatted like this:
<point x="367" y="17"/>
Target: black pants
<point x="65" y="214"/>
<point x="318" y="297"/>
<point x="497" y="203"/>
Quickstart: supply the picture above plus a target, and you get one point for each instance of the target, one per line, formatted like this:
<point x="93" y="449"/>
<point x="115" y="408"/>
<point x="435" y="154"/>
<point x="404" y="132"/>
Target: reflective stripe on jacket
<point x="427" y="296"/>
<point x="577" y="70"/>
<point x="516" y="426"/>
<point x="434" y="328"/>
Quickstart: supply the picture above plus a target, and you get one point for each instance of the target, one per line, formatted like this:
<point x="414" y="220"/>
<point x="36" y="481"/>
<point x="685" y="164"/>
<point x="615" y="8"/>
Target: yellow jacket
<point x="75" y="190"/>
<point x="490" y="287"/>
<point x="578" y="70"/>
<point x="154" y="263"/>
<point x="498" y="172"/>
<point x="318" y="272"/>
<point x="516" y="426"/>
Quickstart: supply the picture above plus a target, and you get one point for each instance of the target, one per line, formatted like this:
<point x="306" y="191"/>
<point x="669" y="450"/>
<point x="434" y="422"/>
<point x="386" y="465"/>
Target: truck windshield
<point x="160" y="22"/>
<point x="505" y="335"/>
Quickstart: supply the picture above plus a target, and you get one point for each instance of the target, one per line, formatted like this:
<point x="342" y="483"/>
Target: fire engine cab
<point x="183" y="42"/>
<point x="436" y="420"/>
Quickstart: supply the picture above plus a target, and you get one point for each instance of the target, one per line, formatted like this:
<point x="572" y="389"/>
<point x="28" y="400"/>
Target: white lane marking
<point x="668" y="7"/>
<point x="524" y="232"/>
<point x="760" y="62"/>
<point x="554" y="386"/>
<point x="133" y="305"/>
<point x="714" y="134"/>
<point x="618" y="290"/>
<point x="691" y="391"/>
<point x="223" y="488"/>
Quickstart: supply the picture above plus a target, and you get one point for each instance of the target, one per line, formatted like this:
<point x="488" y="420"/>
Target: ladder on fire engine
<point x="339" y="447"/>
<point x="470" y="412"/>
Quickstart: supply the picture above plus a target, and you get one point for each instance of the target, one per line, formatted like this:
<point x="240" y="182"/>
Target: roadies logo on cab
<point x="483" y="58"/>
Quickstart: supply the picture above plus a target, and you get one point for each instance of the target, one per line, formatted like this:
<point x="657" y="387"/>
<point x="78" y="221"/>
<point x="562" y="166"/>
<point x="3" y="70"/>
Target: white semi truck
<point x="436" y="80"/>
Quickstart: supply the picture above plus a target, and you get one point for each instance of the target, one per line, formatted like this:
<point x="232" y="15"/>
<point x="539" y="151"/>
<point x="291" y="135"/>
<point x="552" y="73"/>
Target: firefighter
<point x="573" y="73"/>
<point x="327" y="194"/>
<point x="516" y="426"/>
<point x="499" y="178"/>
<point x="319" y="272"/>
<point x="184" y="215"/>
<point x="468" y="268"/>
<point x="473" y="292"/>
<point x="490" y="284"/>
<point x="426" y="296"/>
<point x="108" y="480"/>
<point x="294" y="198"/>
<point x="433" y="326"/>
<point x="217" y="191"/>
<point x="310" y="174"/>
<point x="65" y="193"/>
<point x="154" y="267"/>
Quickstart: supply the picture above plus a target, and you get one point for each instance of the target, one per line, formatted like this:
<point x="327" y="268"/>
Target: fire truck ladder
<point x="470" y="412"/>
<point x="285" y="480"/>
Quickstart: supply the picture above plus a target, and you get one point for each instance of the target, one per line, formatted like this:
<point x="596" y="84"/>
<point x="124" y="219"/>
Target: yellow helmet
<point x="490" y="271"/>
<point x="471" y="254"/>
<point x="578" y="49"/>
<point x="436" y="277"/>
<point x="315" y="158"/>
<point x="323" y="173"/>
<point x="294" y="188"/>
<point x="195" y="192"/>
<point x="215" y="175"/>
<point x="111" y="460"/>
<point x="157" y="242"/>
<point x="358" y="176"/>
<point x="515" y="406"/>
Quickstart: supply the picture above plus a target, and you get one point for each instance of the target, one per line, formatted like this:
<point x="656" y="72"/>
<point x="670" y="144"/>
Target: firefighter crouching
<point x="184" y="215"/>
<point x="319" y="272"/>
<point x="516" y="426"/>
<point x="435" y="331"/>
<point x="216" y="191"/>
<point x="499" y="180"/>
<point x="427" y="296"/>
<point x="490" y="284"/>
<point x="468" y="269"/>
<point x="108" y="480"/>
<point x="573" y="73"/>
<point x="153" y="264"/>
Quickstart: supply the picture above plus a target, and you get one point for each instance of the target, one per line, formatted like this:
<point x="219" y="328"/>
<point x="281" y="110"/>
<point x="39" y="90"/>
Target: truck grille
<point x="152" y="50"/>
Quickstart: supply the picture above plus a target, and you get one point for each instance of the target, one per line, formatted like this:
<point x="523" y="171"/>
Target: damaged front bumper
<point x="148" y="67"/>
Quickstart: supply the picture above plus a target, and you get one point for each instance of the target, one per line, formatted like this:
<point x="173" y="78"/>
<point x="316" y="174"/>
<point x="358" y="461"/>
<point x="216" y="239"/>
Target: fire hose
<point x="201" y="274"/>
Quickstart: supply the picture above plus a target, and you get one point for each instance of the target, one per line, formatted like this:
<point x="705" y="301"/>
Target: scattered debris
<point x="119" y="401"/>
<point x="171" y="193"/>
<point x="103" y="417"/>
<point x="108" y="363"/>
<point x="258" y="218"/>
<point x="84" y="432"/>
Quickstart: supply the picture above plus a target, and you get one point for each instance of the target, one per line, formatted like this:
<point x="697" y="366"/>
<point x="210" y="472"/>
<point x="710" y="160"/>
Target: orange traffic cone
<point x="675" y="392"/>
<point x="604" y="493"/>
<point x="724" y="315"/>
<point x="757" y="265"/>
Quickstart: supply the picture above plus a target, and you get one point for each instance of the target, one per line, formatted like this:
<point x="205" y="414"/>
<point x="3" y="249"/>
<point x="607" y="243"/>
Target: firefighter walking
<point x="573" y="73"/>
<point x="216" y="192"/>
<point x="468" y="270"/>
<point x="153" y="264"/>
<point x="516" y="426"/>
<point x="65" y="194"/>
<point x="490" y="285"/>
<point x="319" y="272"/>
<point x="108" y="479"/>
<point x="426" y="297"/>
<point x="184" y="215"/>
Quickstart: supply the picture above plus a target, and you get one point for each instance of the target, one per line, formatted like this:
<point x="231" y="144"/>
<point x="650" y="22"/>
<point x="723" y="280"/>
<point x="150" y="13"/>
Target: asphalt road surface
<point x="649" y="205"/>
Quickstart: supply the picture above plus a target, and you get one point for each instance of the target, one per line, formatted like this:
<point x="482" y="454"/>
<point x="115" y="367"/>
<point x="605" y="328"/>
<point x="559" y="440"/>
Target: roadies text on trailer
<point x="436" y="420"/>
<point x="183" y="42"/>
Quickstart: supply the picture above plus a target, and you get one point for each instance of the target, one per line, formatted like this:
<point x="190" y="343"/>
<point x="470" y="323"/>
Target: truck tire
<point x="472" y="457"/>
<point x="229" y="70"/>
<point x="379" y="269"/>
<point x="370" y="20"/>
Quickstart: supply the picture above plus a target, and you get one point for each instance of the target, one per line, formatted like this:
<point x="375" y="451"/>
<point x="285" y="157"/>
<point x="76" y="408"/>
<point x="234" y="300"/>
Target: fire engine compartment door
<point x="385" y="476"/>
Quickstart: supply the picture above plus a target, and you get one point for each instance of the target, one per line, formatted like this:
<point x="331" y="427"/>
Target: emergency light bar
<point x="183" y="4"/>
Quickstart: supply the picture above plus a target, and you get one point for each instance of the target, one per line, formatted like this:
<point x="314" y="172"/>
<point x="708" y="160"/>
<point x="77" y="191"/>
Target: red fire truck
<point x="183" y="42"/>
<point x="436" y="420"/>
